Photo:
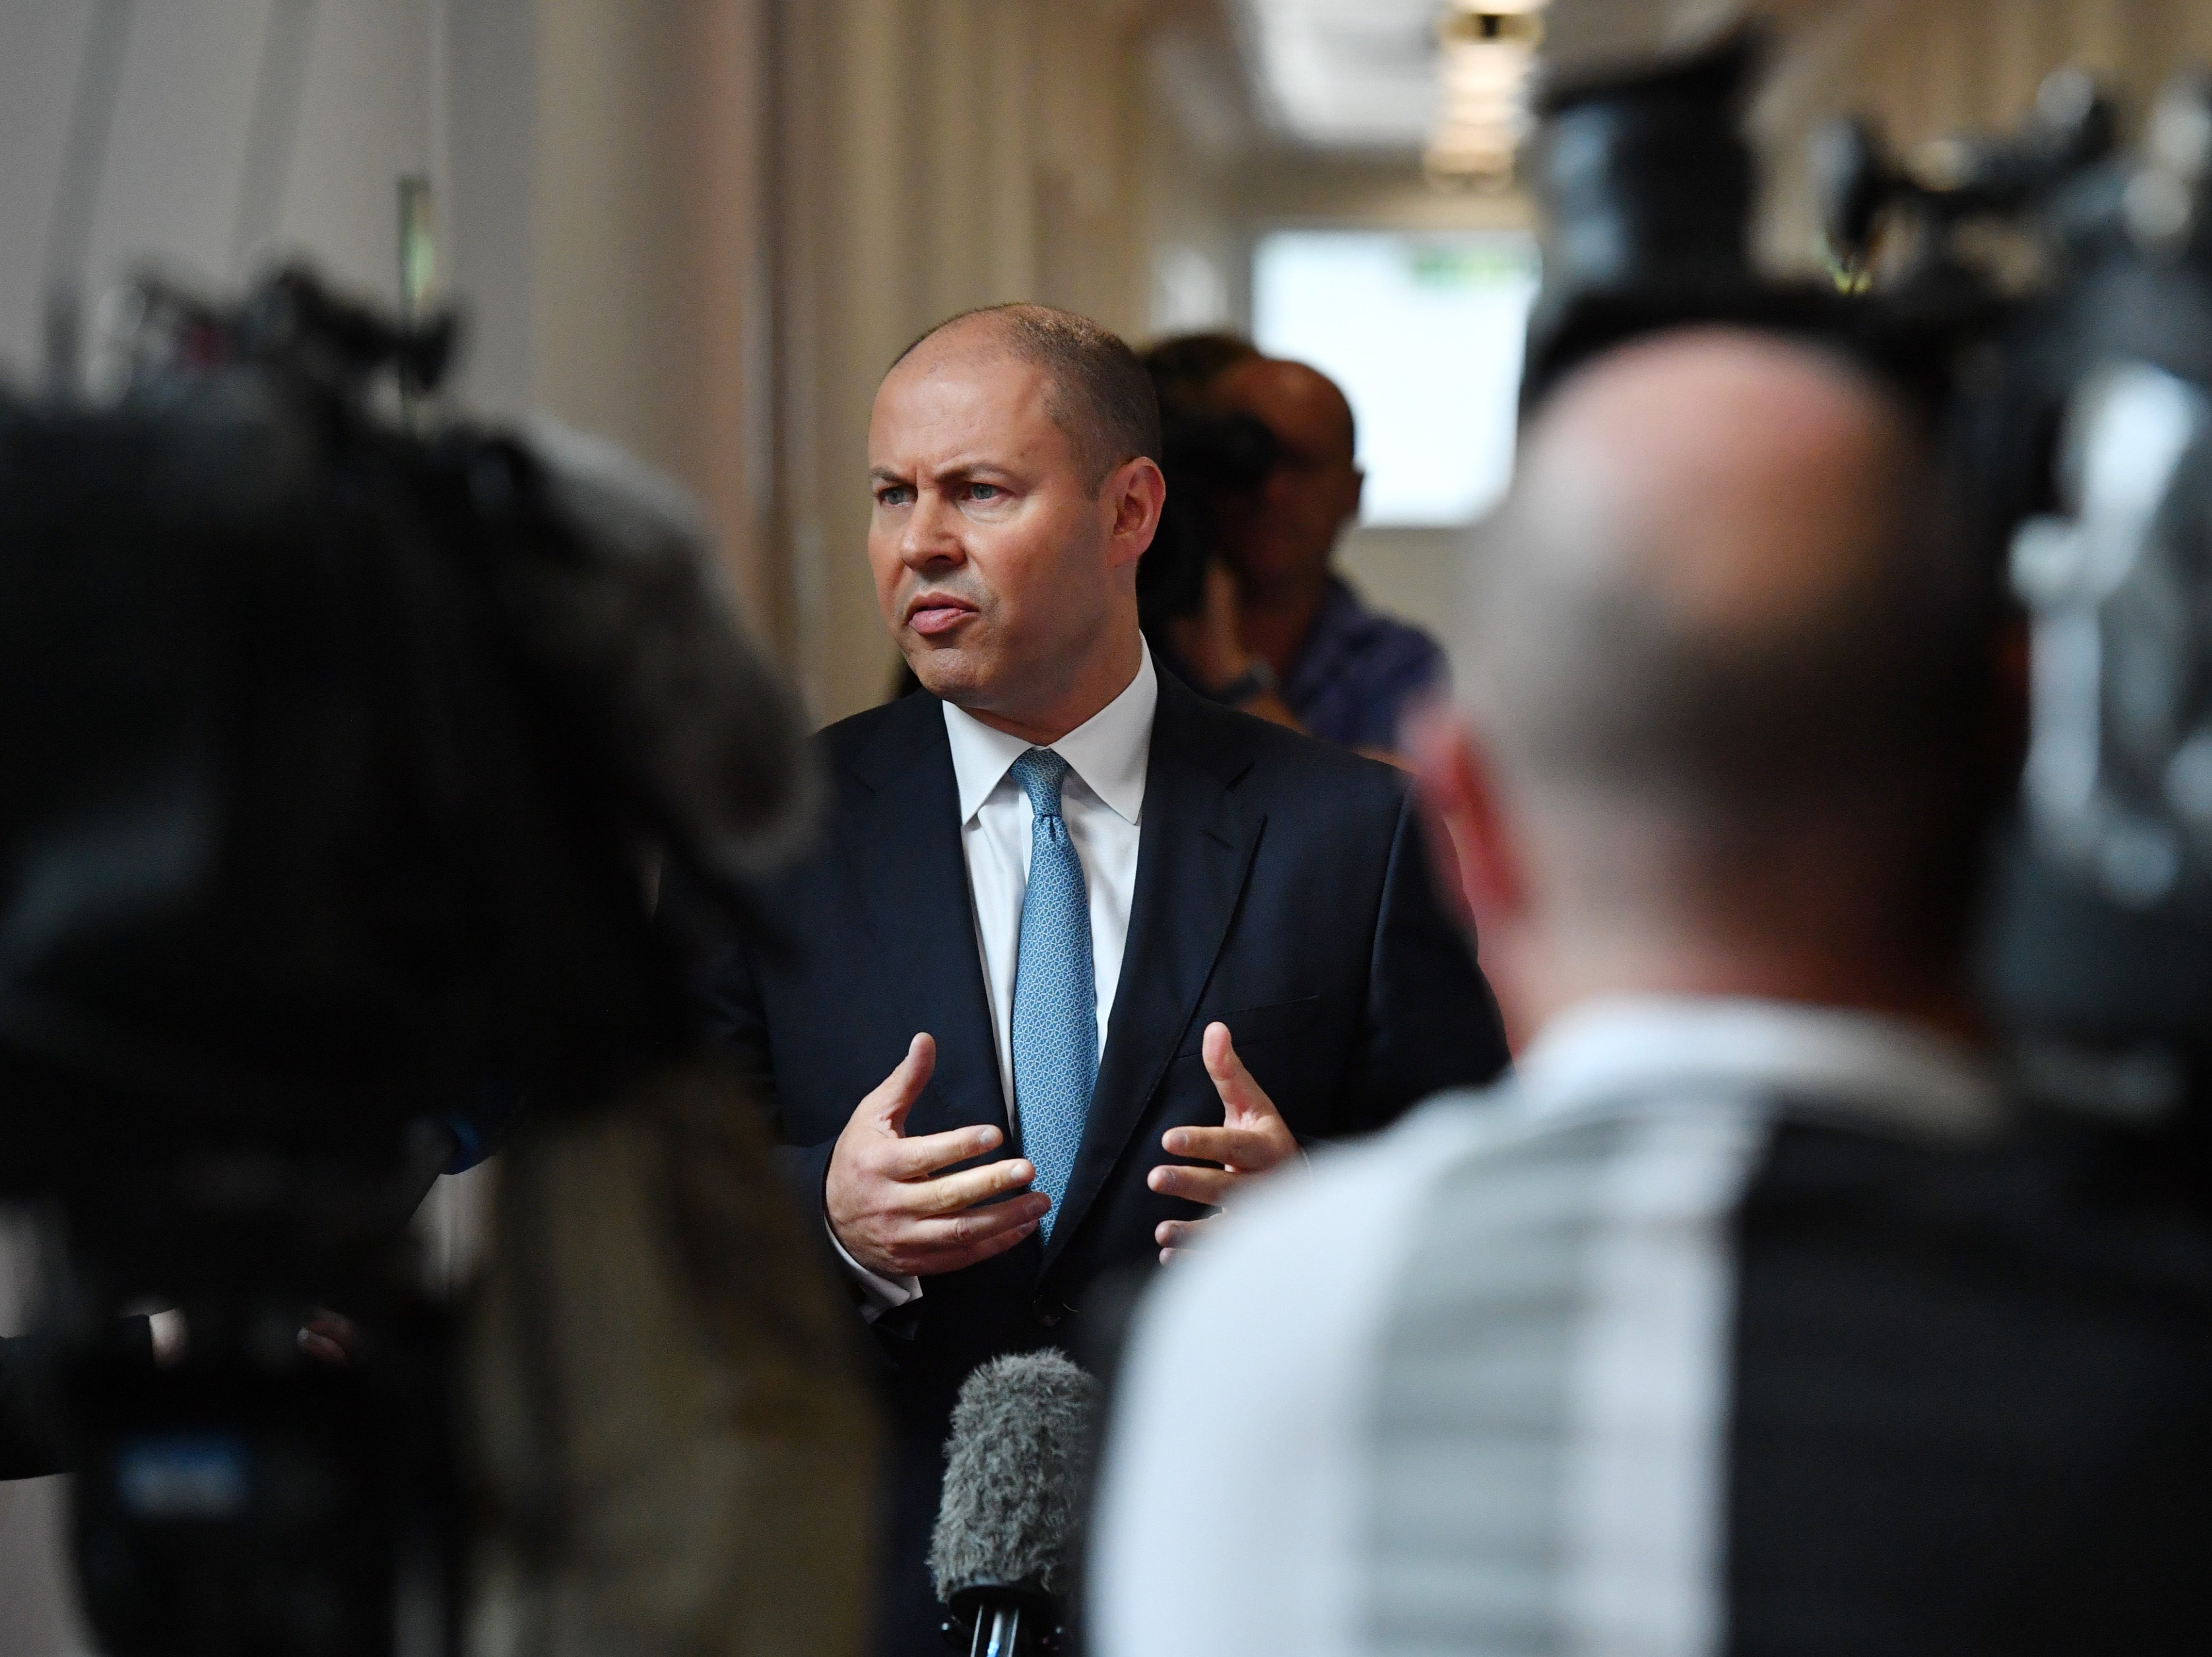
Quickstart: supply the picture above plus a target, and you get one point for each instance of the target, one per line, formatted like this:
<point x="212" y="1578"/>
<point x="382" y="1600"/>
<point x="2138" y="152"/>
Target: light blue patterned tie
<point x="1055" y="995"/>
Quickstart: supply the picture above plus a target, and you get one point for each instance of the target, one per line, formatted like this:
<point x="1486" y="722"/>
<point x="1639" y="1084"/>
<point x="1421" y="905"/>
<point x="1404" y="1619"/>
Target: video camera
<point x="1202" y="455"/>
<point x="342" y="746"/>
<point x="2045" y="301"/>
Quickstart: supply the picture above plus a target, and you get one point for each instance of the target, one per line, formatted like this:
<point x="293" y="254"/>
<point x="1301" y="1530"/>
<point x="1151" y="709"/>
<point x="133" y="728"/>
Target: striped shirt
<point x="1720" y="1327"/>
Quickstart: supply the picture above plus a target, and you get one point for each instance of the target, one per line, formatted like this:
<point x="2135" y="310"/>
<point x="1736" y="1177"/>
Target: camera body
<point x="1202" y="455"/>
<point x="298" y="845"/>
<point x="341" y="743"/>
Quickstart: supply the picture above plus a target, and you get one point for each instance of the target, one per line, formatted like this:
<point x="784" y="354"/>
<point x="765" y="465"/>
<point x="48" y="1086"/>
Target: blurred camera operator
<point x="1184" y="368"/>
<point x="1186" y="600"/>
<point x="1300" y="634"/>
<point x="1751" y="1315"/>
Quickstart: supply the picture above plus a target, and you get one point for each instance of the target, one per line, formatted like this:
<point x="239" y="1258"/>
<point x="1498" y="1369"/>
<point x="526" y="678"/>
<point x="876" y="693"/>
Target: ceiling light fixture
<point x="1488" y="51"/>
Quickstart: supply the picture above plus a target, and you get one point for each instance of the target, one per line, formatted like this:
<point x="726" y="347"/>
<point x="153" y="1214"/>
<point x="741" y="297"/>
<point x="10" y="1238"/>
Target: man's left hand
<point x="1252" y="1138"/>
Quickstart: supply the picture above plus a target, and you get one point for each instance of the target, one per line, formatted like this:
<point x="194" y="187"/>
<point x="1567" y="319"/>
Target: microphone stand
<point x="1005" y="1619"/>
<point x="998" y="1635"/>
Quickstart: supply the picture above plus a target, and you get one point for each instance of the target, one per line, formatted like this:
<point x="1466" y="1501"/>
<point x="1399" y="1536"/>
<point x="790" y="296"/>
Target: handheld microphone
<point x="1017" y="1485"/>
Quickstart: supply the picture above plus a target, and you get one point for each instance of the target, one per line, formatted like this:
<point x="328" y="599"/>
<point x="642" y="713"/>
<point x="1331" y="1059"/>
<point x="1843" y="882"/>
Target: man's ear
<point x="1137" y="490"/>
<point x="1477" y="856"/>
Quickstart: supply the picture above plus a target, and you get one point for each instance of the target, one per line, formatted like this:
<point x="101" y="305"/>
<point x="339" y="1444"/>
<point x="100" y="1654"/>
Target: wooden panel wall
<point x="928" y="155"/>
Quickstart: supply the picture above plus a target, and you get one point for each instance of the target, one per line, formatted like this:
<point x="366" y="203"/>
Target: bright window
<point x="1424" y="333"/>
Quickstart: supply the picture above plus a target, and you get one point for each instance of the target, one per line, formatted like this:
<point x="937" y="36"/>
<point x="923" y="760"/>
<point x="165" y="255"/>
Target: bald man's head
<point x="1293" y="399"/>
<point x="1721" y="583"/>
<point x="1099" y="393"/>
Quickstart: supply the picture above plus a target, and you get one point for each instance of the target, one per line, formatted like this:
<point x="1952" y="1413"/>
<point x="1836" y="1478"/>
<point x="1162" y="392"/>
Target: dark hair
<point x="1101" y="396"/>
<point x="1184" y="367"/>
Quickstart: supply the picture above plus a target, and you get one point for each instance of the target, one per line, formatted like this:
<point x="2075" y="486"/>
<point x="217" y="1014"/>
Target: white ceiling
<point x="1362" y="74"/>
<point x="1345" y="73"/>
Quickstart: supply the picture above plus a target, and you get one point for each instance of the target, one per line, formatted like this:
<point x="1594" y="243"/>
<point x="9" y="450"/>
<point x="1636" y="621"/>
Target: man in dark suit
<point x="1063" y="907"/>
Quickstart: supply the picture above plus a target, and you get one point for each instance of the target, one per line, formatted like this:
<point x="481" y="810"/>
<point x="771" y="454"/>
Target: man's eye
<point x="983" y="492"/>
<point x="895" y="495"/>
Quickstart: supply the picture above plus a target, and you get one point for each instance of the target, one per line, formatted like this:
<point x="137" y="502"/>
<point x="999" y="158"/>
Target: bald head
<point x="1720" y="584"/>
<point x="1097" y="391"/>
<point x="1298" y="403"/>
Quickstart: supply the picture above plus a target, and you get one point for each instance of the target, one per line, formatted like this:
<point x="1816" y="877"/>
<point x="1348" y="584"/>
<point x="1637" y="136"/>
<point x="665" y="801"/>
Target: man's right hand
<point x="886" y="1203"/>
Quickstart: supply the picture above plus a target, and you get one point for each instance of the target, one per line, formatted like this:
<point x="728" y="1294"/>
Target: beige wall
<point x="740" y="210"/>
<point x="651" y="276"/>
<point x="168" y="191"/>
<point x="929" y="157"/>
<point x="598" y="168"/>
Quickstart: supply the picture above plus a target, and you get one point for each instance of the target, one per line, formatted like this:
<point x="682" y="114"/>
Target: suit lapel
<point x="1193" y="859"/>
<point x="901" y="845"/>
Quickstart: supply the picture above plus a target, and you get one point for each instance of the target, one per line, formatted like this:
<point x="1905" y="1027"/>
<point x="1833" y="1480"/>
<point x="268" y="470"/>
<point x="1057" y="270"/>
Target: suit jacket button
<point x="1046" y="1310"/>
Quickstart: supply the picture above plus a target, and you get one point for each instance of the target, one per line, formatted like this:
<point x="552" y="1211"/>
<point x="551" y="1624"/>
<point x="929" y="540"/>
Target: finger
<point x="1241" y="1096"/>
<point x="1239" y="1147"/>
<point x="924" y="1262"/>
<point x="918" y="1158"/>
<point x="976" y="1225"/>
<point x="1211" y="1185"/>
<point x="1172" y="1235"/>
<point x="895" y="1095"/>
<point x="321" y="1348"/>
<point x="959" y="1258"/>
<point x="954" y="1192"/>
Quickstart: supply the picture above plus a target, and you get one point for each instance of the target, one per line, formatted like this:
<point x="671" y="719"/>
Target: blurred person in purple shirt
<point x="1347" y="673"/>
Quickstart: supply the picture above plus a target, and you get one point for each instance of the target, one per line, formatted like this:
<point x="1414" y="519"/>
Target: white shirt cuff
<point x="878" y="1295"/>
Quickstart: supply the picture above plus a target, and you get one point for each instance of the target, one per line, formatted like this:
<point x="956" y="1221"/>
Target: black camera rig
<point x="2044" y="298"/>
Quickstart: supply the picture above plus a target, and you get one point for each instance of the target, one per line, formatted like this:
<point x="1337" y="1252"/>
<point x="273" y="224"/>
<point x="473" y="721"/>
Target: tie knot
<point x="1041" y="772"/>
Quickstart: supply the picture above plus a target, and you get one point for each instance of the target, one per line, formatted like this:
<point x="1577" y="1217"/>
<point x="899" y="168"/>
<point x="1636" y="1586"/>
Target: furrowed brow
<point x="960" y="470"/>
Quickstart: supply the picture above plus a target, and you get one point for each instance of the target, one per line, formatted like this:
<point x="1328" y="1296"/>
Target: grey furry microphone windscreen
<point x="1018" y="1475"/>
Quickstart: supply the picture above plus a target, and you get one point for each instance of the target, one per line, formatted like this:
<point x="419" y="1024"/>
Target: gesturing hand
<point x="1252" y="1138"/>
<point x="889" y="1208"/>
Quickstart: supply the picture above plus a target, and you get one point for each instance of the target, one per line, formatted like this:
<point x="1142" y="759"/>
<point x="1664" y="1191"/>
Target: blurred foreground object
<point x="675" y="1448"/>
<point x="1757" y="1312"/>
<point x="1752" y="1314"/>
<point x="340" y="745"/>
<point x="336" y="751"/>
<point x="1009" y="1535"/>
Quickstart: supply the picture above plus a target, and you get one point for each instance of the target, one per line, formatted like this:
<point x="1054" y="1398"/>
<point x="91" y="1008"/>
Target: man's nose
<point x="932" y="532"/>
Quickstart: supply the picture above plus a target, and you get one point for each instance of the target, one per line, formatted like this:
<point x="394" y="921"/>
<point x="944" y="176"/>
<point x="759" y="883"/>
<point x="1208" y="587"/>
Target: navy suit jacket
<point x="1282" y="888"/>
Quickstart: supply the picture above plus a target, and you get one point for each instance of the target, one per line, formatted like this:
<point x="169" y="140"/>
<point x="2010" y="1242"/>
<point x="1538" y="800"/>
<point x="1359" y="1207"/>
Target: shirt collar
<point x="1869" y="1065"/>
<point x="1108" y="751"/>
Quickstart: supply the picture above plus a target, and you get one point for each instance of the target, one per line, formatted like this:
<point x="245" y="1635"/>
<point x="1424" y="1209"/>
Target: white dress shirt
<point x="1101" y="801"/>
